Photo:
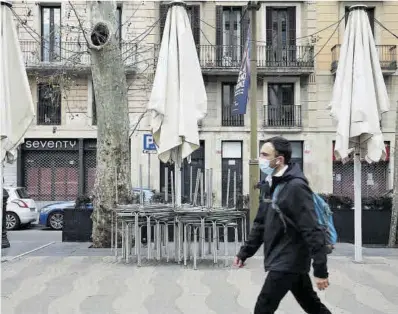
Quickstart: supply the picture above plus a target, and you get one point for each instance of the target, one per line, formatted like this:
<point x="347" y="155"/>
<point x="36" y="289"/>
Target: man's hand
<point x="238" y="262"/>
<point x="322" y="283"/>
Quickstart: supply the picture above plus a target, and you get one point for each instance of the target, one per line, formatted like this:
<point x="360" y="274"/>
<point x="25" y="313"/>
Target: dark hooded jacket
<point x="290" y="249"/>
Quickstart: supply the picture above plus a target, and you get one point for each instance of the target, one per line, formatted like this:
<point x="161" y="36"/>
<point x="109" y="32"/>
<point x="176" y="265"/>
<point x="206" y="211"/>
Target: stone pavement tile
<point x="85" y="285"/>
<point x="139" y="288"/>
<point x="35" y="282"/>
<point x="194" y="292"/>
<point x="381" y="277"/>
<point x="110" y="287"/>
<point x="166" y="290"/>
<point x="223" y="295"/>
<point x="54" y="289"/>
<point x="364" y="298"/>
<point x="97" y="285"/>
<point x="13" y="272"/>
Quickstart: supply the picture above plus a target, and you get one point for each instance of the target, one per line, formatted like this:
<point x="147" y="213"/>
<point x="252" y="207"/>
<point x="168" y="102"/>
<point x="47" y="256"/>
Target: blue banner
<point x="243" y="84"/>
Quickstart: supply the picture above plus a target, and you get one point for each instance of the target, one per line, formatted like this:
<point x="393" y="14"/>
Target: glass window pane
<point x="45" y="33"/>
<point x="57" y="33"/>
<point x="297" y="149"/>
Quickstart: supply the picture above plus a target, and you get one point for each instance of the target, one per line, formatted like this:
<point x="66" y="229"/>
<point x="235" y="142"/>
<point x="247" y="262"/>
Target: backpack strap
<point x="276" y="207"/>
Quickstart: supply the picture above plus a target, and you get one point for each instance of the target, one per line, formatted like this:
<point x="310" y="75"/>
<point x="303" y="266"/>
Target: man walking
<point x="291" y="238"/>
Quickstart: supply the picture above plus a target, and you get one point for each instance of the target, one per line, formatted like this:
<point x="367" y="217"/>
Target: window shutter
<point x="268" y="17"/>
<point x="195" y="23"/>
<point x="162" y="17"/>
<point x="219" y="34"/>
<point x="291" y="17"/>
<point x="245" y="25"/>
<point x="219" y="26"/>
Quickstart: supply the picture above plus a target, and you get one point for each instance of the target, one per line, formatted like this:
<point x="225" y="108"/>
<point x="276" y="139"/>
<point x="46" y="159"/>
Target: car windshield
<point x="22" y="193"/>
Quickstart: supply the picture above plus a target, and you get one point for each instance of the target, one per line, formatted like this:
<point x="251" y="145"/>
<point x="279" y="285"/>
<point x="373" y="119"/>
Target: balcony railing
<point x="68" y="54"/>
<point x="387" y="57"/>
<point x="283" y="116"/>
<point x="230" y="57"/>
<point x="48" y="115"/>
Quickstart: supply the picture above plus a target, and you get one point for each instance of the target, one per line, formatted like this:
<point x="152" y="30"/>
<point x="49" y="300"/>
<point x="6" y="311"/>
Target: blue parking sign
<point x="148" y="143"/>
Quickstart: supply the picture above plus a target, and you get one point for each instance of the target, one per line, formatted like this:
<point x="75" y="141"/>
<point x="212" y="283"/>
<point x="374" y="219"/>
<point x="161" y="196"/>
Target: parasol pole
<point x="177" y="176"/>
<point x="357" y="206"/>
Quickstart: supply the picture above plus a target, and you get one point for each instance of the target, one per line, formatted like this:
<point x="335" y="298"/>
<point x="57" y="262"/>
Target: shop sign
<point x="50" y="144"/>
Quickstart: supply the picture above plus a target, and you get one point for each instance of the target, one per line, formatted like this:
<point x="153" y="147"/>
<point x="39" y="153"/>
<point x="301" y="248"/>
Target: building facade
<point x="295" y="80"/>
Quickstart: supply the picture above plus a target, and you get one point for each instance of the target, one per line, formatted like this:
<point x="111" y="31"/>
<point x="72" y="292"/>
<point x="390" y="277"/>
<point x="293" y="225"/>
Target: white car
<point x="21" y="210"/>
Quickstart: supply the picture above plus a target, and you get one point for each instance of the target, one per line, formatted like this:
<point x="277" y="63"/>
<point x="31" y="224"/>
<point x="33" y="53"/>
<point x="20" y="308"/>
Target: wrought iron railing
<point x="285" y="56"/>
<point x="229" y="119"/>
<point x="230" y="56"/>
<point x="282" y="116"/>
<point x="48" y="114"/>
<point x="68" y="53"/>
<point x="387" y="57"/>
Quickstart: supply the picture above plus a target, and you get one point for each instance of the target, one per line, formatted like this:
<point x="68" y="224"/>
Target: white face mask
<point x="265" y="167"/>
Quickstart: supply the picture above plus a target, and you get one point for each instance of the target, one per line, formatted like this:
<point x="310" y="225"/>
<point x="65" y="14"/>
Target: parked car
<point x="148" y="193"/>
<point x="52" y="215"/>
<point x="21" y="209"/>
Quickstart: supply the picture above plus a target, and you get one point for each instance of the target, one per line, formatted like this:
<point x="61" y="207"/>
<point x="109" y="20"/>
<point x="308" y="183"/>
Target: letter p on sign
<point x="148" y="143"/>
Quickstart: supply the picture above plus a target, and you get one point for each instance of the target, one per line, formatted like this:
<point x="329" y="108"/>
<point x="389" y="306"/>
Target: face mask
<point x="265" y="167"/>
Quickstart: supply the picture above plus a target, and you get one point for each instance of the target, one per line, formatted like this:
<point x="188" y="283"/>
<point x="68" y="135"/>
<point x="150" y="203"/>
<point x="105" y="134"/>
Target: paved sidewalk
<point x="47" y="283"/>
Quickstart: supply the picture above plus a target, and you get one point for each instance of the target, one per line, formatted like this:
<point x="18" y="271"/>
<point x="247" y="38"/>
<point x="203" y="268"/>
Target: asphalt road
<point x="26" y="240"/>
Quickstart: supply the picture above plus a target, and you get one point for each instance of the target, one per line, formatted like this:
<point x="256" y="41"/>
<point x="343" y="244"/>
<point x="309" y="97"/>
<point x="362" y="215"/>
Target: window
<point x="281" y="35"/>
<point x="51" y="33"/>
<point x="228" y="96"/>
<point x="49" y="105"/>
<point x="93" y="105"/>
<point x="371" y="15"/>
<point x="281" y="26"/>
<point x="281" y="108"/>
<point x="231" y="33"/>
<point x="193" y="15"/>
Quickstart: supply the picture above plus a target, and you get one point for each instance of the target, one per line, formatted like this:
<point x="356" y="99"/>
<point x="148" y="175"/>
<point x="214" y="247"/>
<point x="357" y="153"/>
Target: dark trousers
<point x="278" y="284"/>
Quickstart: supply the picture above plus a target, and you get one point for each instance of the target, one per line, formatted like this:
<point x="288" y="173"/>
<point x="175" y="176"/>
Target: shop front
<point x="374" y="177"/>
<point x="57" y="169"/>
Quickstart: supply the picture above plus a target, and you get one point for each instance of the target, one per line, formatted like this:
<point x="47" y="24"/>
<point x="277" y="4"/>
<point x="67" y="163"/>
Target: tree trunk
<point x="110" y="87"/>
<point x="394" y="214"/>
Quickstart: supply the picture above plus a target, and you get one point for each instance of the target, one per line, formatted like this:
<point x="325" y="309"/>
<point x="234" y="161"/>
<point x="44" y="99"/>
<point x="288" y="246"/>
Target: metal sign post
<point x="149" y="147"/>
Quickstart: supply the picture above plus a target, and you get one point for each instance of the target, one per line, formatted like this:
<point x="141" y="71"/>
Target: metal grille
<point x="51" y="175"/>
<point x="374" y="179"/>
<point x="49" y="105"/>
<point x="90" y="164"/>
<point x="228" y="119"/>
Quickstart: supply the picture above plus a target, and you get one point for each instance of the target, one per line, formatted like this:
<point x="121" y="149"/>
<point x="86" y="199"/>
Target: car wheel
<point x="56" y="220"/>
<point x="12" y="221"/>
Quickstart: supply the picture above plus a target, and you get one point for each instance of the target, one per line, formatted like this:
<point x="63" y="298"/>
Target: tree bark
<point x="394" y="213"/>
<point x="110" y="88"/>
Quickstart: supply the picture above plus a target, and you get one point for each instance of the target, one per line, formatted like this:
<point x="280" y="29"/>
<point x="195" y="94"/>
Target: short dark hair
<point x="282" y="147"/>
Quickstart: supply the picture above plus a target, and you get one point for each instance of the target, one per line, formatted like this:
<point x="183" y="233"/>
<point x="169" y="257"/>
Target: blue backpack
<point x="323" y="212"/>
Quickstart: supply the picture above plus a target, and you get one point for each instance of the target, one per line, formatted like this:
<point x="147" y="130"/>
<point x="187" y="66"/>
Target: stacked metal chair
<point x="196" y="228"/>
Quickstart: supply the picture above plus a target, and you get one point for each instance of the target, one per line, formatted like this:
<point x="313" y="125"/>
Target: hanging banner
<point x="243" y="84"/>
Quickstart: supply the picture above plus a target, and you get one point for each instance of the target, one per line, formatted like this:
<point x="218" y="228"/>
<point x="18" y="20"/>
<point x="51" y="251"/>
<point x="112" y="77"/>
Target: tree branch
<point x="138" y="122"/>
<point x="89" y="45"/>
